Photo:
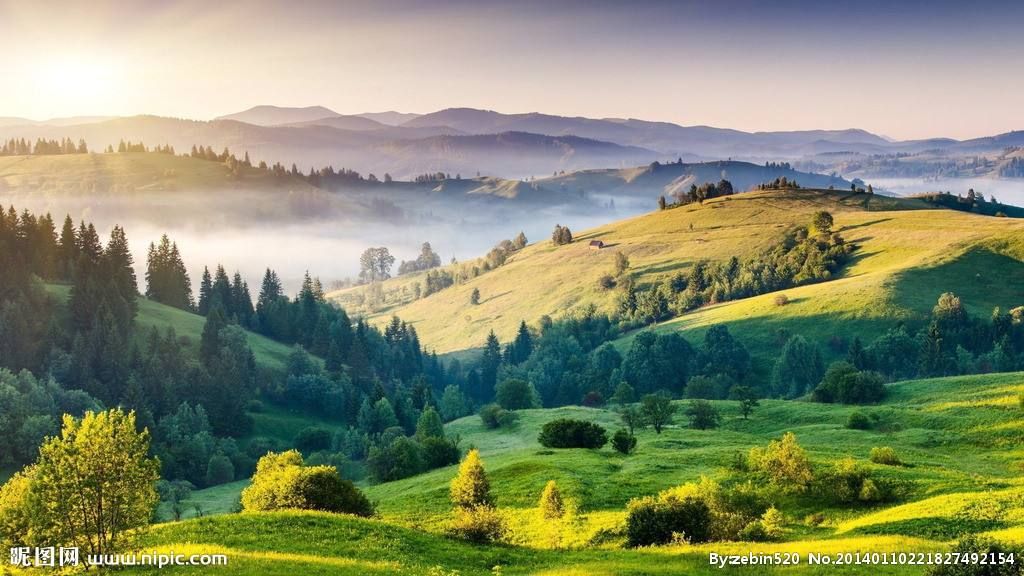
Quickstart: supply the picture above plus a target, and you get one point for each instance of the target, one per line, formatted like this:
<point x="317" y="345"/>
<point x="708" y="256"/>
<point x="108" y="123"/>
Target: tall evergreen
<point x="167" y="280"/>
<point x="205" y="292"/>
<point x="67" y="250"/>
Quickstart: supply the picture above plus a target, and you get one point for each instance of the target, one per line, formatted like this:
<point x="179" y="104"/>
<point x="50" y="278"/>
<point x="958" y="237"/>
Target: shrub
<point x="282" y="482"/>
<point x="651" y="521"/>
<point x="885" y="455"/>
<point x="551" y="504"/>
<point x="858" y="421"/>
<point x="848" y="482"/>
<point x="606" y="282"/>
<point x="983" y="547"/>
<point x="313" y="439"/>
<point x="494" y="416"/>
<point x="784" y="463"/>
<point x="781" y="300"/>
<point x="569" y="433"/>
<point x="623" y="441"/>
<point x="439" y="452"/>
<point x="478" y="524"/>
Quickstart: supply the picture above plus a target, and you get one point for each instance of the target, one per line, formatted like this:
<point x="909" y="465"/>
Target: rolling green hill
<point x="189" y="327"/>
<point x="909" y="253"/>
<point x="958" y="438"/>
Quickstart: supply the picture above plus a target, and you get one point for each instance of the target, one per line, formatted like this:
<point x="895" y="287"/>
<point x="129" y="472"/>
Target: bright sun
<point x="76" y="76"/>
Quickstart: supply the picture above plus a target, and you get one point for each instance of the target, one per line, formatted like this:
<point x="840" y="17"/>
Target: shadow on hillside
<point x="982" y="278"/>
<point x="864" y="224"/>
<point x="933" y="528"/>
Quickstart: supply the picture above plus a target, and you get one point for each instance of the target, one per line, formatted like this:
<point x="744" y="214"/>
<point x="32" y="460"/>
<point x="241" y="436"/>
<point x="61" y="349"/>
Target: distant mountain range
<point x="471" y="141"/>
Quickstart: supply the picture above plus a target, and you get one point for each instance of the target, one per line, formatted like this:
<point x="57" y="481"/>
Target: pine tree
<point x="552" y="507"/>
<point x="67" y="250"/>
<point x="490" y="361"/>
<point x="209" y="345"/>
<point x="470" y="488"/>
<point x="121" y="268"/>
<point x="205" y="292"/>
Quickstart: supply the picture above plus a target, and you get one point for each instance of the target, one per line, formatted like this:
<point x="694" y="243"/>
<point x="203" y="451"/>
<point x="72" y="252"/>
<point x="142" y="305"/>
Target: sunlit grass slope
<point x="127" y="172"/>
<point x="908" y="255"/>
<point x="958" y="437"/>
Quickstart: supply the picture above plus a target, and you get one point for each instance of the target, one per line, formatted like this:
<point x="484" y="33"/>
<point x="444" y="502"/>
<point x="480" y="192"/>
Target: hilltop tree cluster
<point x="801" y="257"/>
<point x="42" y="147"/>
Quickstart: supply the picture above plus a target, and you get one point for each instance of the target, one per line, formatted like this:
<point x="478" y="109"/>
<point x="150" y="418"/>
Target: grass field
<point x="959" y="438"/>
<point x="908" y="256"/>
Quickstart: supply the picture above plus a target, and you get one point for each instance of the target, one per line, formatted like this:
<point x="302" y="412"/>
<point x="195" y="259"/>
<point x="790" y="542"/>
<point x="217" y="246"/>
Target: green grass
<point x="959" y="438"/>
<point x="289" y="543"/>
<point x="908" y="256"/>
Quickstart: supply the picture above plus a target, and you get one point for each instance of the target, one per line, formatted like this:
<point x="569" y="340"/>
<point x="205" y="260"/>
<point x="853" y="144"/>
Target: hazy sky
<point x="902" y="69"/>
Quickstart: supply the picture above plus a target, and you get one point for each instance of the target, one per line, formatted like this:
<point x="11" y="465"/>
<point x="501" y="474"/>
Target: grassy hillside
<point x="189" y="327"/>
<point x="958" y="437"/>
<point x="908" y="255"/>
<point x="128" y="172"/>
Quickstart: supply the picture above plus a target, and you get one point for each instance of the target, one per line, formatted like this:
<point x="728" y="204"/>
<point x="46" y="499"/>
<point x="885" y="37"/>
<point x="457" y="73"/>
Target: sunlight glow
<point x="82" y="77"/>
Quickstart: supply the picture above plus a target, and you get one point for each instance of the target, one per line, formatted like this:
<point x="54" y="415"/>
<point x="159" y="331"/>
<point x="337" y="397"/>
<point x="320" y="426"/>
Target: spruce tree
<point x="205" y="292"/>
<point x="470" y="488"/>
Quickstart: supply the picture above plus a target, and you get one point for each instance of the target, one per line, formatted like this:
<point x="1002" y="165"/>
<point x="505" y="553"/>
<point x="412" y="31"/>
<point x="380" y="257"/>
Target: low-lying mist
<point x="249" y="232"/>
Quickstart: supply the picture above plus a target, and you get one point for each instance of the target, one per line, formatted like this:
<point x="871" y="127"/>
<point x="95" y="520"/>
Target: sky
<point x="901" y="69"/>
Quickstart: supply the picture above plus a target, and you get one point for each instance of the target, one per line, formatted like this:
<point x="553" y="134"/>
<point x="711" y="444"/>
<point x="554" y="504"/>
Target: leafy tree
<point x="624" y="394"/>
<point x="313" y="439"/>
<point x="845" y="384"/>
<point x="219" y="470"/>
<point x="429" y="425"/>
<point x="632" y="417"/>
<point x="822" y="222"/>
<point x="470" y="488"/>
<point x="95" y="483"/>
<point x="515" y="394"/>
<point x="747" y="398"/>
<point x="798" y="369"/>
<point x="702" y="414"/>
<point x="657" y="410"/>
<point x="375" y="264"/>
<point x="400" y="458"/>
<point x="453" y="403"/>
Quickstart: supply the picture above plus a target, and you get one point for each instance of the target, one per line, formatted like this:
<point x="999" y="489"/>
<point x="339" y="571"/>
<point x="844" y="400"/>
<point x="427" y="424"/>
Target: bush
<point x="313" y="439"/>
<point x="282" y="482"/>
<point x="606" y="282"/>
<point x="623" y="441"/>
<point x="781" y="300"/>
<point x="494" y="416"/>
<point x="885" y="455"/>
<point x="651" y="521"/>
<point x="784" y="463"/>
<point x="478" y="524"/>
<point x="849" y="482"/>
<point x="983" y="547"/>
<point x="858" y="421"/>
<point x="569" y="433"/>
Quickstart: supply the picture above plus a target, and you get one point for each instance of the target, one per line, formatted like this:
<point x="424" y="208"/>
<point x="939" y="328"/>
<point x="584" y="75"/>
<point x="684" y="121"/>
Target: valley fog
<point x="225" y="230"/>
<point x="1007" y="191"/>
